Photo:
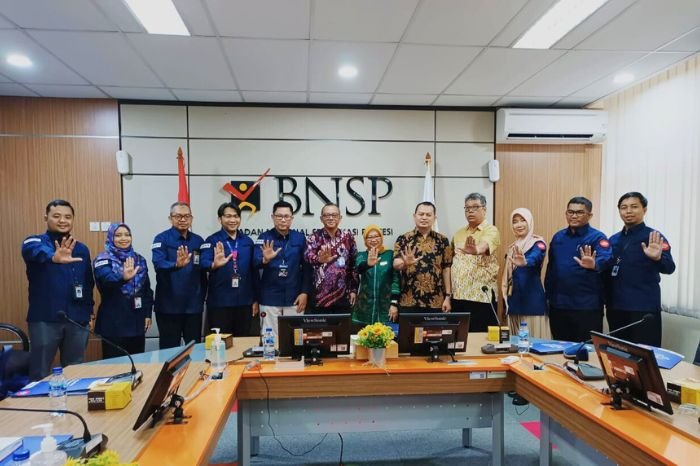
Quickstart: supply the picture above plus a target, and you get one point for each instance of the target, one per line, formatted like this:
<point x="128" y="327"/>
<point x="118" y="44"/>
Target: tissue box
<point x="227" y="338"/>
<point x="392" y="352"/>
<point x="109" y="396"/>
<point x="689" y="389"/>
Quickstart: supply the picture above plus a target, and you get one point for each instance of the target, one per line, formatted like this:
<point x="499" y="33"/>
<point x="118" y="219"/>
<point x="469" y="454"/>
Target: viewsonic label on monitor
<point x="435" y="318"/>
<point x="314" y="320"/>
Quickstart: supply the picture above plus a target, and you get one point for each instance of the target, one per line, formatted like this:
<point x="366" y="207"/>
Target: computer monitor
<point x="631" y="372"/>
<point x="164" y="392"/>
<point x="314" y="336"/>
<point x="433" y="334"/>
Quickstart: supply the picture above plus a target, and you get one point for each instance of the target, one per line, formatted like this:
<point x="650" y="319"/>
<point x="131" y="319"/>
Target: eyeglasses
<point x="179" y="217"/>
<point x="472" y="208"/>
<point x="282" y="217"/>
<point x="330" y="215"/>
<point x="576" y="213"/>
<point x="374" y="237"/>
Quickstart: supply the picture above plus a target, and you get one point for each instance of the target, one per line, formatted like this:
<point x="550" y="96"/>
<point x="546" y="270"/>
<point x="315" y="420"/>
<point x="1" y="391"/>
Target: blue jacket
<point x="51" y="286"/>
<point x="636" y="285"/>
<point x="178" y="290"/>
<point x="282" y="291"/>
<point x="567" y="284"/>
<point x="117" y="316"/>
<point x="527" y="296"/>
<point x="220" y="292"/>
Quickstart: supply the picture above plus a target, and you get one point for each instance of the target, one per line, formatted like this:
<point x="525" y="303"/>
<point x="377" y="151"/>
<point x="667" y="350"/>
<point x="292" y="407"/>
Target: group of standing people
<point x="283" y="272"/>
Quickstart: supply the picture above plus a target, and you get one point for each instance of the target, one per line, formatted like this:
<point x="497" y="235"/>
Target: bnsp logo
<point x="245" y="193"/>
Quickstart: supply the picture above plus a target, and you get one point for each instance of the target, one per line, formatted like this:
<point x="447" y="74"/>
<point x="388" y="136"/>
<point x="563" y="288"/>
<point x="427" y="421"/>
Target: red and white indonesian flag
<point x="428" y="188"/>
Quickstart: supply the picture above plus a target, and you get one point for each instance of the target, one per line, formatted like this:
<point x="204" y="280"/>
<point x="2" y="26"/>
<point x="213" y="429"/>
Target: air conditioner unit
<point x="550" y="126"/>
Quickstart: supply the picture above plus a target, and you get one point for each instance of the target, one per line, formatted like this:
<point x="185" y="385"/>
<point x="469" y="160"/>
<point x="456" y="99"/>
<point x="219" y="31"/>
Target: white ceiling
<point x="408" y="52"/>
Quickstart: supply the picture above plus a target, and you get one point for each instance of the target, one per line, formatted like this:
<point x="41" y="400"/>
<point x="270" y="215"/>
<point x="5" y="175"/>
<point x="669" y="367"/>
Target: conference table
<point x="346" y="395"/>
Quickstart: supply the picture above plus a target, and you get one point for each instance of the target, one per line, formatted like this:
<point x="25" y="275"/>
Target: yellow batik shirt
<point x="471" y="272"/>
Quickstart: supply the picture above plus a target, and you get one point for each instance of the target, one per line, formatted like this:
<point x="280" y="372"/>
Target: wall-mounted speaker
<point x="494" y="171"/>
<point x="123" y="162"/>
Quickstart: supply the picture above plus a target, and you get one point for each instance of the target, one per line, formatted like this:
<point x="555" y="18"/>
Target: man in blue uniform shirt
<point x="578" y="256"/>
<point x="233" y="280"/>
<point x="60" y="279"/>
<point x="640" y="254"/>
<point x="286" y="277"/>
<point x="180" y="280"/>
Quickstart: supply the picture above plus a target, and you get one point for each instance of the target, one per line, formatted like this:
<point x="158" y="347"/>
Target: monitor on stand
<point x="314" y="336"/>
<point x="433" y="334"/>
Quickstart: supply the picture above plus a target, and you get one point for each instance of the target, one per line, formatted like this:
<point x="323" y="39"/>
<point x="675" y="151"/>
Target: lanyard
<point x="628" y="240"/>
<point x="234" y="254"/>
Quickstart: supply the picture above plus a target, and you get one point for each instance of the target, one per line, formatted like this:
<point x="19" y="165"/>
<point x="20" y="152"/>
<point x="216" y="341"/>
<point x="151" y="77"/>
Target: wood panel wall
<point x="542" y="178"/>
<point x="53" y="148"/>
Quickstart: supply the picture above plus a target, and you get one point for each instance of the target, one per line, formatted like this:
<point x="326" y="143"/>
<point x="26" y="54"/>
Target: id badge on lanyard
<point x="138" y="303"/>
<point x="283" y="271"/>
<point x="77" y="291"/>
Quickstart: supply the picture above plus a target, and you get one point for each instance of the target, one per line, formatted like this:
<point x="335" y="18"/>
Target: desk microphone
<point x="579" y="352"/>
<point x="85" y="447"/>
<point x="136" y="376"/>
<point x="490" y="348"/>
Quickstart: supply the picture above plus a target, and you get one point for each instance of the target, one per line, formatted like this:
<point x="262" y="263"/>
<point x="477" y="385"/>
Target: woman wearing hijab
<point x="379" y="286"/>
<point x="121" y="275"/>
<point x="521" y="284"/>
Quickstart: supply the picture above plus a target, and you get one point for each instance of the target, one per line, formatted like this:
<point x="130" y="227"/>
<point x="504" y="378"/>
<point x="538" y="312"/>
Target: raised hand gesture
<point x="409" y="256"/>
<point x="183" y="257"/>
<point x="372" y="257"/>
<point x="587" y="260"/>
<point x="129" y="270"/>
<point x="469" y="246"/>
<point x="325" y="255"/>
<point x="654" y="248"/>
<point x="64" y="251"/>
<point x="220" y="257"/>
<point x="519" y="257"/>
<point x="268" y="251"/>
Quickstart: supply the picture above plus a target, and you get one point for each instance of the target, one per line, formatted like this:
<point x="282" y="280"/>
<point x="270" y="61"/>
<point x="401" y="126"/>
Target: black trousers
<point x="133" y="345"/>
<point x="234" y="320"/>
<point x="648" y="333"/>
<point x="174" y="327"/>
<point x="576" y="326"/>
<point x="482" y="315"/>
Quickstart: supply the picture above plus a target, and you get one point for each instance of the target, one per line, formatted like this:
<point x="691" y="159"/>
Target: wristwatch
<point x="448" y="295"/>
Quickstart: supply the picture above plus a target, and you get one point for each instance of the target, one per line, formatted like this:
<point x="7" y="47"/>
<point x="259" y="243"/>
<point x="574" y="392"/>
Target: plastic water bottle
<point x="268" y="345"/>
<point x="523" y="339"/>
<point x="57" y="390"/>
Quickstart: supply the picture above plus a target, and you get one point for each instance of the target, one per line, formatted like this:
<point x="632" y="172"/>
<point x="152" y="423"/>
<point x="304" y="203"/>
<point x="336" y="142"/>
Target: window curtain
<point x="653" y="147"/>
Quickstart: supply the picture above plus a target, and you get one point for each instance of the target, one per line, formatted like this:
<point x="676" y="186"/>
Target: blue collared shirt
<point x="118" y="315"/>
<point x="567" y="284"/>
<point x="178" y="290"/>
<point x="52" y="286"/>
<point x="527" y="296"/>
<point x="221" y="292"/>
<point x="278" y="290"/>
<point x="635" y="287"/>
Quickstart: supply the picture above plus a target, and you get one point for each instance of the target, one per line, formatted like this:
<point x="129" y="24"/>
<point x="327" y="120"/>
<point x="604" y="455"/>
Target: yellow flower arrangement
<point x="106" y="458"/>
<point x="376" y="335"/>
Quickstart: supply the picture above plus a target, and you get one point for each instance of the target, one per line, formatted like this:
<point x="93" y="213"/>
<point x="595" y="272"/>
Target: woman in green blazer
<point x="379" y="284"/>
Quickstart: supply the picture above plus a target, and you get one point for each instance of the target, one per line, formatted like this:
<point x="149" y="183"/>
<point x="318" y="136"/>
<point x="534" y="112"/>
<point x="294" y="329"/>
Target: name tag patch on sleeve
<point x="101" y="263"/>
<point x="32" y="240"/>
<point x="155" y="245"/>
<point x="205" y="246"/>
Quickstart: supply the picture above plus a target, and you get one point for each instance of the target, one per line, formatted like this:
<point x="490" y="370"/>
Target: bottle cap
<point x="57" y="370"/>
<point x="21" y="454"/>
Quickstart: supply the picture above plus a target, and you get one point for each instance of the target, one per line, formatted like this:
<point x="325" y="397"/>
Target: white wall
<point x="221" y="144"/>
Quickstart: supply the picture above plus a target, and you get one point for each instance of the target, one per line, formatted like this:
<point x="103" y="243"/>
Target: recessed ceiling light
<point x="623" y="78"/>
<point x="347" y="71"/>
<point x="158" y="17"/>
<point x="557" y="22"/>
<point x="18" y="60"/>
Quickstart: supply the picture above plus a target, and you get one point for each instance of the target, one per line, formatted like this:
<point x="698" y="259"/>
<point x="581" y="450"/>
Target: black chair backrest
<point x="19" y="339"/>
<point x="696" y="361"/>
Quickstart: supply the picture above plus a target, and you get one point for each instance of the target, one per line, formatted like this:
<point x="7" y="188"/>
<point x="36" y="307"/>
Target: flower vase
<point x="377" y="357"/>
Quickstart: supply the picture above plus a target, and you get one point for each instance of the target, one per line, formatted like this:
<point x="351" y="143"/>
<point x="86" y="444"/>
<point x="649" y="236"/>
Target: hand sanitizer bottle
<point x="49" y="454"/>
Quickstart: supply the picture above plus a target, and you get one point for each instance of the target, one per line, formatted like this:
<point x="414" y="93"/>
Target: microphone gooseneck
<point x="136" y="374"/>
<point x="87" y="436"/>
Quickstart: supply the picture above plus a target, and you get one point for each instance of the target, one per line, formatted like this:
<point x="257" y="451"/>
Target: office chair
<point x="696" y="361"/>
<point x="14" y="360"/>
